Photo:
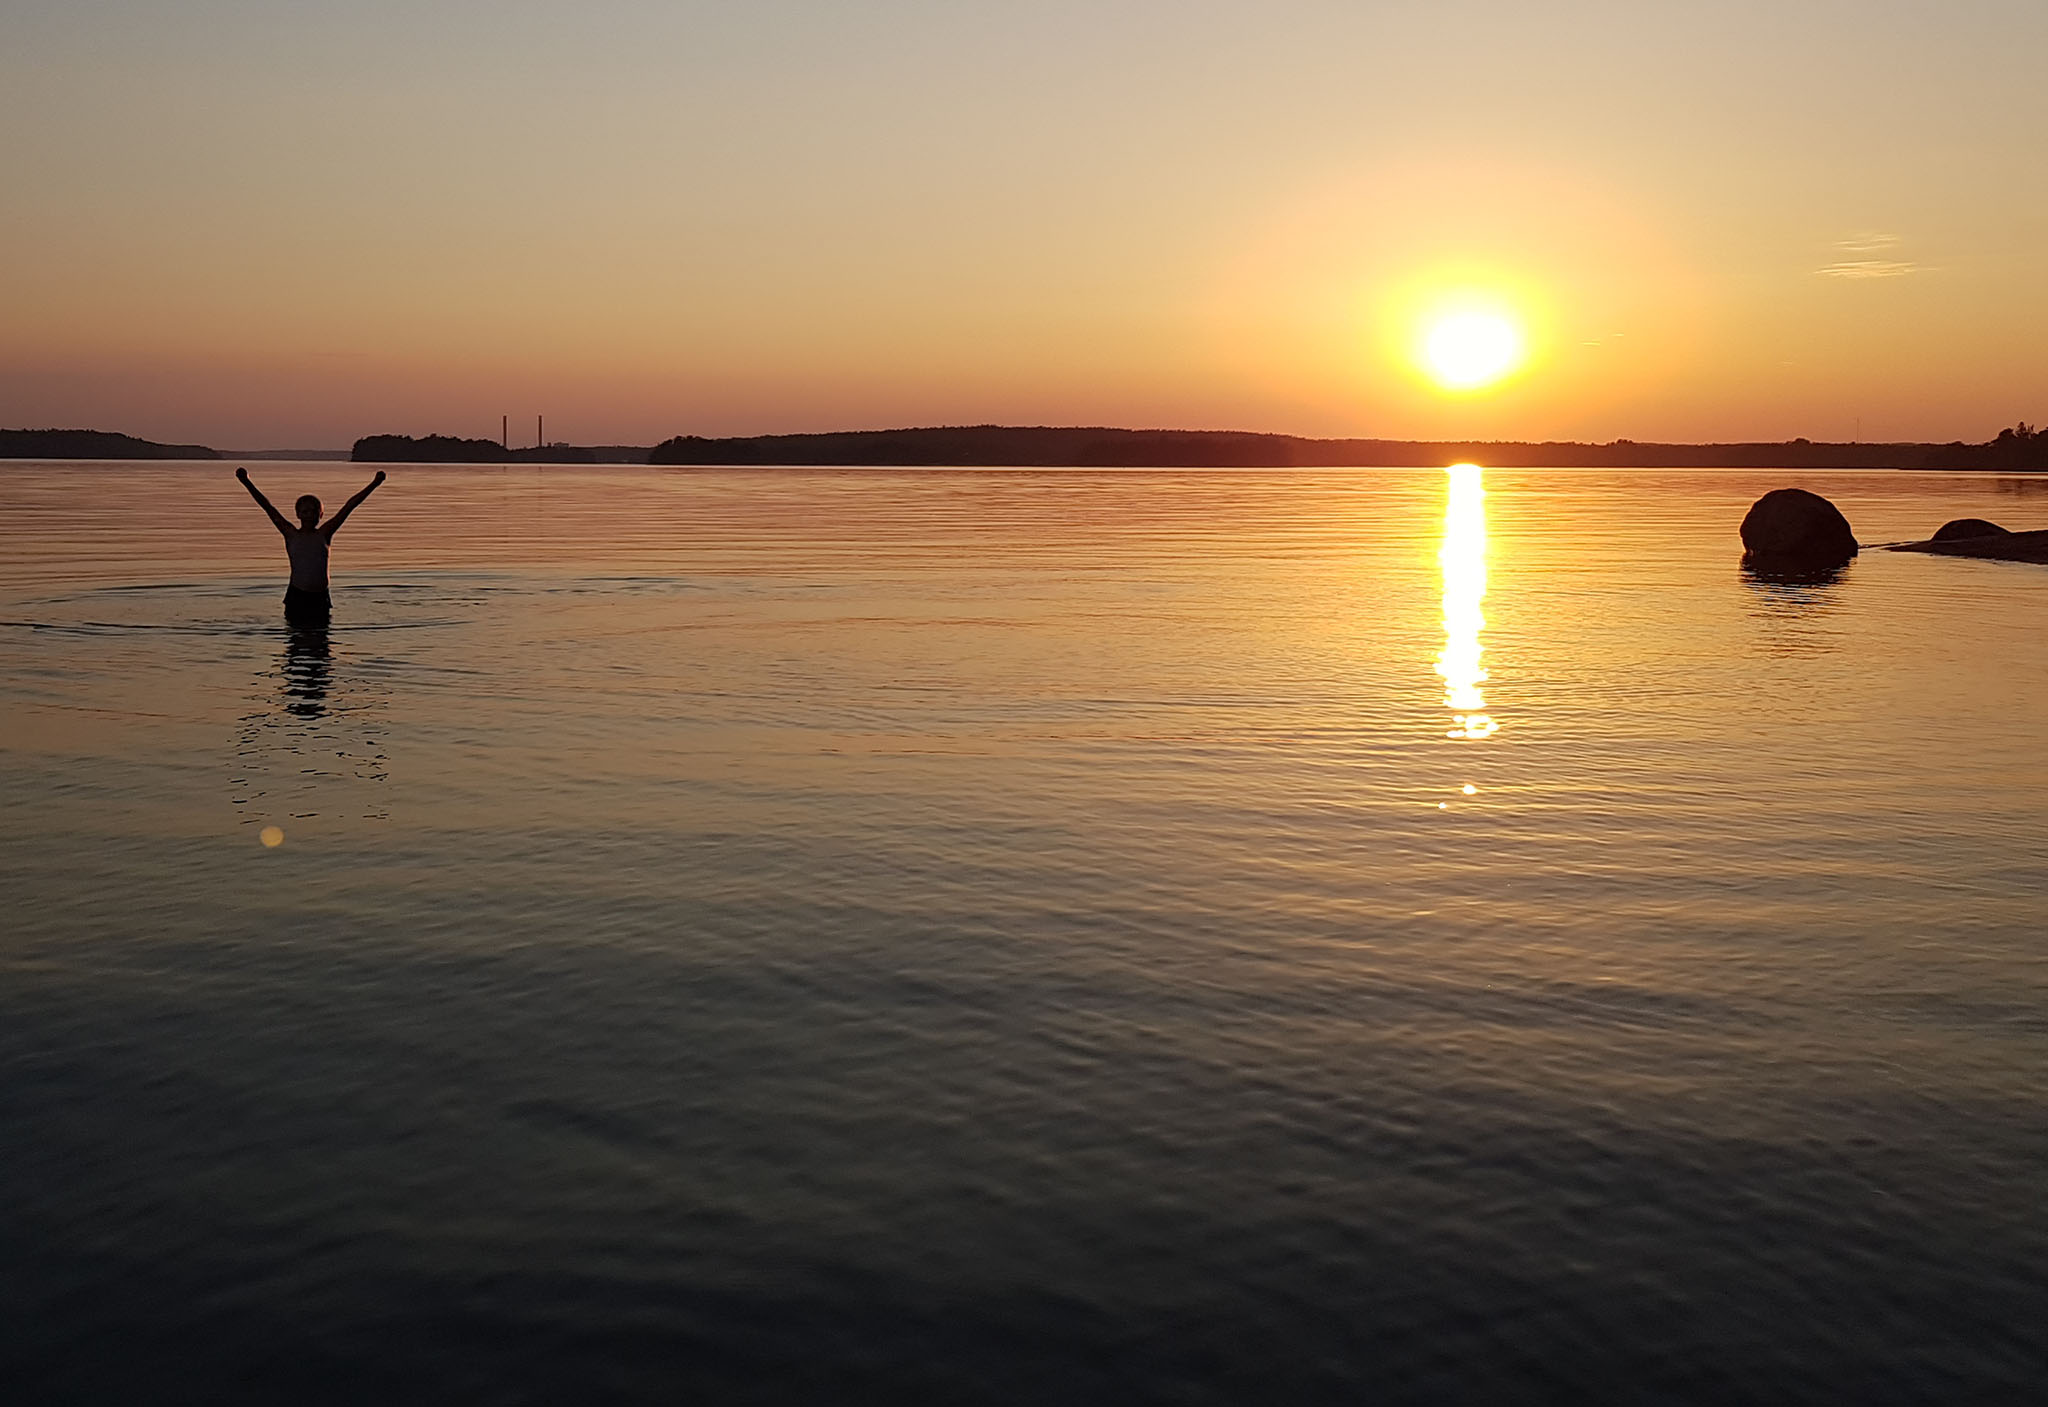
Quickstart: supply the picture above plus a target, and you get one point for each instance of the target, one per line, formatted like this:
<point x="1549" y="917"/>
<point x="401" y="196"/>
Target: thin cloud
<point x="1869" y="242"/>
<point x="1869" y="268"/>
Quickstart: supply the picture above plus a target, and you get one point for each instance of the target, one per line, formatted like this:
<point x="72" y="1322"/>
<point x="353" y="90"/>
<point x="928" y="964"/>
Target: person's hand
<point x="243" y="475"/>
<point x="380" y="477"/>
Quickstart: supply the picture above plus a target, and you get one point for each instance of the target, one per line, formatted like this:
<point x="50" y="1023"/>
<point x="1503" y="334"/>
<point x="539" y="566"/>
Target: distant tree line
<point x="2022" y="447"/>
<point x="1045" y="446"/>
<point x="1050" y="447"/>
<point x="92" y="444"/>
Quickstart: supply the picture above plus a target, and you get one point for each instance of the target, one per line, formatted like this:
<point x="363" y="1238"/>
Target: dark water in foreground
<point x="1018" y="937"/>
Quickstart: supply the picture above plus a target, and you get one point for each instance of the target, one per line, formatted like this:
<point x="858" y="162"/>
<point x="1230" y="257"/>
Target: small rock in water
<point x="1793" y="530"/>
<point x="1959" y="528"/>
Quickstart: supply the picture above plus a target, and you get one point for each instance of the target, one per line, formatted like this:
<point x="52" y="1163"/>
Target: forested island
<point x="92" y="444"/>
<point x="448" y="449"/>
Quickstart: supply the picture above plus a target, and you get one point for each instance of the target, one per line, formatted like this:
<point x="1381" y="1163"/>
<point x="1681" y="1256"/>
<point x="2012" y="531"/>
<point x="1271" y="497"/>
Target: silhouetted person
<point x="306" y="601"/>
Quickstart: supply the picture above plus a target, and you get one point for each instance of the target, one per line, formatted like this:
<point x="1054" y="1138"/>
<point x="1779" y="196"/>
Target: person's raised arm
<point x="333" y="525"/>
<point x="257" y="494"/>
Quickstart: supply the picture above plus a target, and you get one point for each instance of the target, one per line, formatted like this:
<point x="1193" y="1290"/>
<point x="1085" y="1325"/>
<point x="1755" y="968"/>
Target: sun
<point x="1469" y="349"/>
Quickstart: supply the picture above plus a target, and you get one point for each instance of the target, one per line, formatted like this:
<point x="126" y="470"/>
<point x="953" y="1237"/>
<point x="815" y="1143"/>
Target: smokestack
<point x="505" y="433"/>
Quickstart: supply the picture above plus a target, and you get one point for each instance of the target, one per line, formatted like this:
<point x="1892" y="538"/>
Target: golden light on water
<point x="1463" y="558"/>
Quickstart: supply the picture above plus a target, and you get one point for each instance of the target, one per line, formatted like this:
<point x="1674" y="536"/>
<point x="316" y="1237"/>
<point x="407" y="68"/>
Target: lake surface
<point x="1018" y="936"/>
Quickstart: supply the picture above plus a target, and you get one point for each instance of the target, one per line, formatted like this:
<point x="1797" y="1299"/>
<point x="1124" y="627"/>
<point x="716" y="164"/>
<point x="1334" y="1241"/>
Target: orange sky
<point x="253" y="225"/>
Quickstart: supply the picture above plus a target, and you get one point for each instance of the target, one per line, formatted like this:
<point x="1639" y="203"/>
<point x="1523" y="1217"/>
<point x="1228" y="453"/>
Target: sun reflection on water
<point x="1464" y="565"/>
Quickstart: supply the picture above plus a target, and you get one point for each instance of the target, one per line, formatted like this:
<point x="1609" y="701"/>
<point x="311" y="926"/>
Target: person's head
<point x="308" y="509"/>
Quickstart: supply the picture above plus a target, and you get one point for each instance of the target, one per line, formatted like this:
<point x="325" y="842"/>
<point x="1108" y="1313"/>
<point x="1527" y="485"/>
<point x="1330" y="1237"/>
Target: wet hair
<point x="307" y="507"/>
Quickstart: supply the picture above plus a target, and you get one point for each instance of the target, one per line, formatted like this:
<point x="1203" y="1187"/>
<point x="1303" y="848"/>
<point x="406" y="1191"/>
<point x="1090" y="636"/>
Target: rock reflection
<point x="1769" y="580"/>
<point x="311" y="748"/>
<point x="1793" y="609"/>
<point x="1463" y="557"/>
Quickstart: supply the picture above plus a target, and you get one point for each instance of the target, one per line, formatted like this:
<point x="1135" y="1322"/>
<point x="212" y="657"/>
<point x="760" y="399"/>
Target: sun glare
<point x="1470" y="349"/>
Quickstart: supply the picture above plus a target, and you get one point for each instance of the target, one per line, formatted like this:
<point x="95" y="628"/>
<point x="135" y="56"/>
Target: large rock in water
<point x="1791" y="530"/>
<point x="1962" y="529"/>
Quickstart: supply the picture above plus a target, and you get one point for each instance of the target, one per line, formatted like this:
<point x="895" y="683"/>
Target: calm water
<point x="1018" y="936"/>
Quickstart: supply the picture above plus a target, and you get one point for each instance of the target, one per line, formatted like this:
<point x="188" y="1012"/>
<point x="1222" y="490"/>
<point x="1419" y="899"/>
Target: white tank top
<point x="308" y="551"/>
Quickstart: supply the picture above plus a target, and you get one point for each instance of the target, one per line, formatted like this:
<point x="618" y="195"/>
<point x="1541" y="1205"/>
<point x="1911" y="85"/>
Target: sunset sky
<point x="269" y="225"/>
